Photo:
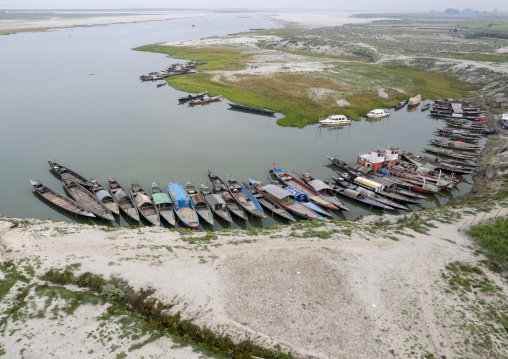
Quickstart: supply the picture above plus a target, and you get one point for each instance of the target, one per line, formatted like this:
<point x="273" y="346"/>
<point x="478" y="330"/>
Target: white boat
<point x="335" y="120"/>
<point x="378" y="113"/>
<point x="414" y="101"/>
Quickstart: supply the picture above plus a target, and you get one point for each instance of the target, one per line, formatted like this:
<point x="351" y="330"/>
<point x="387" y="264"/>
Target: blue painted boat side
<point x="251" y="197"/>
<point x="180" y="200"/>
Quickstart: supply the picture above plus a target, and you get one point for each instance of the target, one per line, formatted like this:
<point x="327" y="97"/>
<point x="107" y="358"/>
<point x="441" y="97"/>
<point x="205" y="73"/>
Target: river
<point x="74" y="96"/>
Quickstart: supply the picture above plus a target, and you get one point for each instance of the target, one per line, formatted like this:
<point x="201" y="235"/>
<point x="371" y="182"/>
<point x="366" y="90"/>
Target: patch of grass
<point x="492" y="236"/>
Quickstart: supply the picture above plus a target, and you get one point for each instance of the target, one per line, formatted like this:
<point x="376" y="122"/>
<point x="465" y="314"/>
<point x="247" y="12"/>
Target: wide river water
<point x="74" y="96"/>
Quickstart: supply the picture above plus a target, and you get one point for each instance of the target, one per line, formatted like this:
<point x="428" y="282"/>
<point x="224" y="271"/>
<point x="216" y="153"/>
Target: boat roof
<point x="103" y="194"/>
<point x="318" y="184"/>
<point x="214" y="199"/>
<point x="178" y="192"/>
<point x="160" y="198"/>
<point x="140" y="199"/>
<point x="276" y="191"/>
<point x="120" y="194"/>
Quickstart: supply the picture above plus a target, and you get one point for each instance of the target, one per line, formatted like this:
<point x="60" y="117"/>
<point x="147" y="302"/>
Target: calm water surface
<point x="74" y="96"/>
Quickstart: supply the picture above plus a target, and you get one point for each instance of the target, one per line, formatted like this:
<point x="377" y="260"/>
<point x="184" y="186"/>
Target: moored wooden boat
<point x="285" y="199"/>
<point x="199" y="204"/>
<point x="324" y="189"/>
<point x="423" y="160"/>
<point x="204" y="99"/>
<point x="144" y="204"/>
<point x="268" y="203"/>
<point x="414" y="101"/>
<point x="216" y="203"/>
<point x="313" y="195"/>
<point x="244" y="198"/>
<point x="425" y="107"/>
<point x="163" y="204"/>
<point x="123" y="199"/>
<point x="192" y="96"/>
<point x="60" y="200"/>
<point x="400" y="105"/>
<point x="59" y="169"/>
<point x="85" y="198"/>
<point x="252" y="109"/>
<point x="220" y="188"/>
<point x="105" y="197"/>
<point x="182" y="206"/>
<point x="458" y="145"/>
<point x="347" y="190"/>
<point x="451" y="154"/>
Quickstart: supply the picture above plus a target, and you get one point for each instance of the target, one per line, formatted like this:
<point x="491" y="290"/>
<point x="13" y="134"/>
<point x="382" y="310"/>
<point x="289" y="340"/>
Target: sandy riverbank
<point x="363" y="295"/>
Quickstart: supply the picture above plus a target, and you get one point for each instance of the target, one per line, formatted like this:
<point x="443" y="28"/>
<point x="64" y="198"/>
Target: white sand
<point x="60" y="22"/>
<point x="358" y="296"/>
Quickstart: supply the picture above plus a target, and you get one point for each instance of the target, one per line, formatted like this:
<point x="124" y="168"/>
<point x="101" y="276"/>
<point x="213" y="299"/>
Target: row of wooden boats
<point x="174" y="69"/>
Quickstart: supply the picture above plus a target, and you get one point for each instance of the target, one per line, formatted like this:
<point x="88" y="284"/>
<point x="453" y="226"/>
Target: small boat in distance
<point x="425" y="107"/>
<point x="160" y="85"/>
<point x="144" y="204"/>
<point x="192" y="96"/>
<point x="60" y="200"/>
<point x="335" y="120"/>
<point x="105" y="197"/>
<point x="183" y="206"/>
<point x="252" y="109"/>
<point x="59" y="169"/>
<point x="378" y="113"/>
<point x="400" y="105"/>
<point x="123" y="199"/>
<point x="163" y="204"/>
<point x="414" y="101"/>
<point x="204" y="99"/>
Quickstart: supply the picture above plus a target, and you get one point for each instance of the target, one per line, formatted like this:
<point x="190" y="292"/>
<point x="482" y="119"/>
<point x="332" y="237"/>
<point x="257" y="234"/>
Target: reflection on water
<point x="112" y="125"/>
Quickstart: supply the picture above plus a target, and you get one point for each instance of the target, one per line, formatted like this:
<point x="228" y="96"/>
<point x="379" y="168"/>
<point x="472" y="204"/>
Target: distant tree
<point x="467" y="11"/>
<point x="452" y="11"/>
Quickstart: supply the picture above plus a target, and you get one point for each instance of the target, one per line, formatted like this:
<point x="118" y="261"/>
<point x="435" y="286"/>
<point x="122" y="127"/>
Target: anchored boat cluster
<point x="175" y="69"/>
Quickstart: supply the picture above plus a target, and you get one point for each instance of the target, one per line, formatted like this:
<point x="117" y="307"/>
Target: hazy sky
<point x="363" y="5"/>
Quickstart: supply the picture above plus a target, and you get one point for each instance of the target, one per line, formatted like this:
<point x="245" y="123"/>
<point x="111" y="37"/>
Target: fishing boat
<point x="414" y="101"/>
<point x="144" y="204"/>
<point x="85" y="198"/>
<point x="459" y="145"/>
<point x="377" y="186"/>
<point x="216" y="203"/>
<point x="163" y="204"/>
<point x="335" y="120"/>
<point x="199" y="204"/>
<point x="222" y="190"/>
<point x="268" y="203"/>
<point x="347" y="190"/>
<point x="378" y="113"/>
<point x="285" y="199"/>
<point x="323" y="189"/>
<point x="105" y="197"/>
<point x="452" y="154"/>
<point x="123" y="199"/>
<point x="160" y="85"/>
<point x="59" y="169"/>
<point x="425" y="107"/>
<point x="400" y="105"/>
<point x="252" y="109"/>
<point x="183" y="206"/>
<point x="292" y="181"/>
<point x="244" y="198"/>
<point x="60" y="200"/>
<point x="204" y="99"/>
<point x="435" y="163"/>
<point x="192" y="96"/>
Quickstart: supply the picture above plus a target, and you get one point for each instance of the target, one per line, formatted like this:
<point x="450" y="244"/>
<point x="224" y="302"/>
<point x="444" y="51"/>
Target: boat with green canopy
<point x="163" y="204"/>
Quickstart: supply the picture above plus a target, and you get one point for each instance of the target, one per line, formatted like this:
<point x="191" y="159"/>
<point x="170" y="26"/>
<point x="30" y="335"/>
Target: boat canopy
<point x="299" y="195"/>
<point x="276" y="191"/>
<point x="141" y="199"/>
<point x="319" y="185"/>
<point x="196" y="199"/>
<point x="370" y="183"/>
<point x="161" y="198"/>
<point x="103" y="194"/>
<point x="120" y="194"/>
<point x="179" y="196"/>
<point x="215" y="201"/>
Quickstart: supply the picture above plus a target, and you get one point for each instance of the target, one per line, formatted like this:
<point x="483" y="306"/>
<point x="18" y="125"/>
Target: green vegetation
<point x="492" y="236"/>
<point x="289" y="93"/>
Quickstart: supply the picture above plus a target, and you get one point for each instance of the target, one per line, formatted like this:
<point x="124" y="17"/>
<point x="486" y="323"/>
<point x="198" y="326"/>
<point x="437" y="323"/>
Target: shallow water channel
<point x="74" y="96"/>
